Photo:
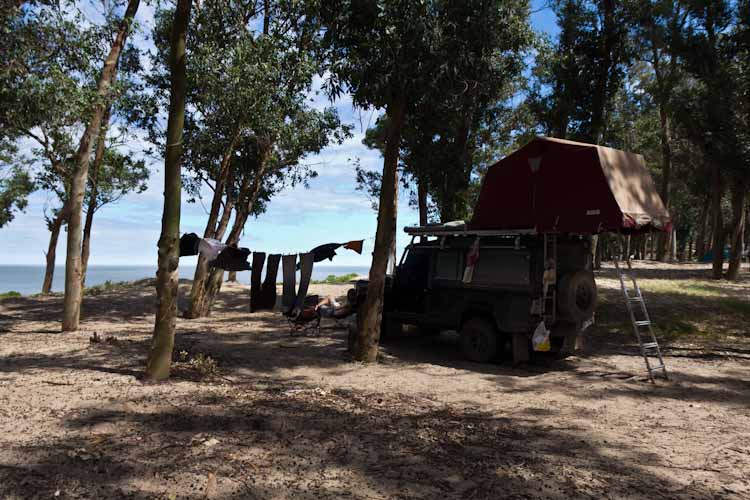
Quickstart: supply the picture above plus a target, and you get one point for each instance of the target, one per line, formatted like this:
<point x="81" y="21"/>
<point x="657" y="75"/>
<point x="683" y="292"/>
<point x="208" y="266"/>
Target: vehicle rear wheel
<point x="479" y="340"/>
<point x="576" y="296"/>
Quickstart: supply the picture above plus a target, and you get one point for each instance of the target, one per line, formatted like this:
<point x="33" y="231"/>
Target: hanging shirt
<point x="189" y="244"/>
<point x="210" y="248"/>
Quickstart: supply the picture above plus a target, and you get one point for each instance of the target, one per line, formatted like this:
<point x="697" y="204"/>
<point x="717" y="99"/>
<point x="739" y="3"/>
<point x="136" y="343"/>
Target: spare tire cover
<point x="576" y="296"/>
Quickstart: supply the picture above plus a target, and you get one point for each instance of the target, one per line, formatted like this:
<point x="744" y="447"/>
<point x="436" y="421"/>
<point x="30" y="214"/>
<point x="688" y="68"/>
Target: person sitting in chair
<point x="330" y="308"/>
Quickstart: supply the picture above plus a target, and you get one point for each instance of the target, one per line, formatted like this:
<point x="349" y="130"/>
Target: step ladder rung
<point x="649" y="350"/>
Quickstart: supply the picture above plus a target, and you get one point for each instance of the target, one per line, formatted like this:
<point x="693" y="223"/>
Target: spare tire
<point x="576" y="296"/>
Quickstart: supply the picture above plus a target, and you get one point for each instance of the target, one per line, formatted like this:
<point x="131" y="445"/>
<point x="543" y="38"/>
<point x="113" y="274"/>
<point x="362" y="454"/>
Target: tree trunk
<point x="93" y="193"/>
<point x="601" y="81"/>
<point x="422" y="201"/>
<point x="232" y="277"/>
<point x="393" y="252"/>
<point x="369" y="334"/>
<point x="160" y="358"/>
<point x="717" y="222"/>
<point x="243" y="209"/>
<point x="700" y="239"/>
<point x="666" y="153"/>
<point x="197" y="291"/>
<point x="49" y="271"/>
<point x="739" y="195"/>
<point x="72" y="302"/>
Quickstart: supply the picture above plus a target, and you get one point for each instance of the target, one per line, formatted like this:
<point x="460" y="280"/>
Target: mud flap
<point x="520" y="348"/>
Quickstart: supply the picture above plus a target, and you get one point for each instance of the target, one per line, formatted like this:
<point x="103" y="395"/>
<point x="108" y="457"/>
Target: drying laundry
<point x="267" y="298"/>
<point x="189" y="244"/>
<point x="328" y="250"/>
<point x="259" y="258"/>
<point x="289" y="292"/>
<point x="232" y="259"/>
<point x="306" y="267"/>
<point x="218" y="254"/>
<point x="210" y="248"/>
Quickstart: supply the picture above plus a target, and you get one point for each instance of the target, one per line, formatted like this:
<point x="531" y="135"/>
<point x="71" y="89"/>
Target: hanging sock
<point x="268" y="289"/>
<point x="289" y="294"/>
<point x="306" y="261"/>
<point x="259" y="258"/>
<point x="189" y="244"/>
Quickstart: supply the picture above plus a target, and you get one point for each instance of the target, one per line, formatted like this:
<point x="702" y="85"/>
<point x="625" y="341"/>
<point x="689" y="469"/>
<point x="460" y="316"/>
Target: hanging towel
<point x="288" y="263"/>
<point x="189" y="244"/>
<point x="355" y="245"/>
<point x="268" y="289"/>
<point x="232" y="259"/>
<point x="259" y="259"/>
<point x="328" y="250"/>
<point x="306" y="261"/>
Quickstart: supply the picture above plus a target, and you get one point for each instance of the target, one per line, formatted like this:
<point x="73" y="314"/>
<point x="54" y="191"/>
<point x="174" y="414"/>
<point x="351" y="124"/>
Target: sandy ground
<point x="293" y="418"/>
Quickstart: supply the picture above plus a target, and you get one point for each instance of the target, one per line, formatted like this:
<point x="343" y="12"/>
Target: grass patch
<point x="10" y="295"/>
<point x="332" y="279"/>
<point x="692" y="310"/>
<point x="107" y="286"/>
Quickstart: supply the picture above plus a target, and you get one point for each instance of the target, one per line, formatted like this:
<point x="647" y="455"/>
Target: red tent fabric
<point x="565" y="186"/>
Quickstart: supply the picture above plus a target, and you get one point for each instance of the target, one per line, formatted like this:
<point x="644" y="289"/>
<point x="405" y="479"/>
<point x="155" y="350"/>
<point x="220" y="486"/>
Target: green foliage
<point x="12" y="294"/>
<point x="577" y="79"/>
<point x="15" y="186"/>
<point x="332" y="279"/>
<point x="48" y="88"/>
<point x="250" y="85"/>
<point x="461" y="118"/>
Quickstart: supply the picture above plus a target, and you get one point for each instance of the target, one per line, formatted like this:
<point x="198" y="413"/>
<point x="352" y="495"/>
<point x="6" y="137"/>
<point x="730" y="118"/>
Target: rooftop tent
<point x="565" y="186"/>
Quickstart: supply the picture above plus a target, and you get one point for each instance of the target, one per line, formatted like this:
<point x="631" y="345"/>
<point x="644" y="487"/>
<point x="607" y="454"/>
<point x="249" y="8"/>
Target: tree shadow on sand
<point x="310" y="444"/>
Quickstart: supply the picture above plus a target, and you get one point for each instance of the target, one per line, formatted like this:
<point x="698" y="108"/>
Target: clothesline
<point x="263" y="294"/>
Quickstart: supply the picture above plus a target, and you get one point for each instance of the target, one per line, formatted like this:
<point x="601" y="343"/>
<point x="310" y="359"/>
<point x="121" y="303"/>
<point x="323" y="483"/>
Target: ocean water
<point x="28" y="280"/>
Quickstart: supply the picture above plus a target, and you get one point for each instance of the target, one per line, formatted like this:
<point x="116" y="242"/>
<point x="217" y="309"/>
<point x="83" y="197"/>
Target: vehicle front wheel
<point x="479" y="340"/>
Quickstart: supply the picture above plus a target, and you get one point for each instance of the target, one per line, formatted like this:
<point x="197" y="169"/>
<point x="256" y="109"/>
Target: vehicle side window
<point x="413" y="272"/>
<point x="447" y="265"/>
<point x="502" y="267"/>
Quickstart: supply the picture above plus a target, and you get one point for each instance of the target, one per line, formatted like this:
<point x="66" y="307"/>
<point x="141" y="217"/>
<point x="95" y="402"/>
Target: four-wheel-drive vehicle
<point x="518" y="280"/>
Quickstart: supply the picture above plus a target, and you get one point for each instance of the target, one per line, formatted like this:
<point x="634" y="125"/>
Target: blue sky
<point x="297" y="219"/>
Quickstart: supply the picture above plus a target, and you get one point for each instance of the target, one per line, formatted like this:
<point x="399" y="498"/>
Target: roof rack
<point x="452" y="229"/>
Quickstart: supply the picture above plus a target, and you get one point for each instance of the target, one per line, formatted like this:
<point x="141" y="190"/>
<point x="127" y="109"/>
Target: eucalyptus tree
<point x="581" y="75"/>
<point x="159" y="361"/>
<point x="79" y="181"/>
<point x="113" y="175"/>
<point x="658" y="28"/>
<point x="707" y="106"/>
<point x="271" y="161"/>
<point x="250" y="69"/>
<point x="48" y="93"/>
<point x="405" y="57"/>
<point x="379" y="53"/>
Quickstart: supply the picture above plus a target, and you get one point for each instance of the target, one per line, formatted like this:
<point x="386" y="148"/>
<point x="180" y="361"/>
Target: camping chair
<point x="306" y="319"/>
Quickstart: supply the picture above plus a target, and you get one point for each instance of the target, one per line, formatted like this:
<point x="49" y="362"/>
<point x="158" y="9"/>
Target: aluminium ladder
<point x="641" y="326"/>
